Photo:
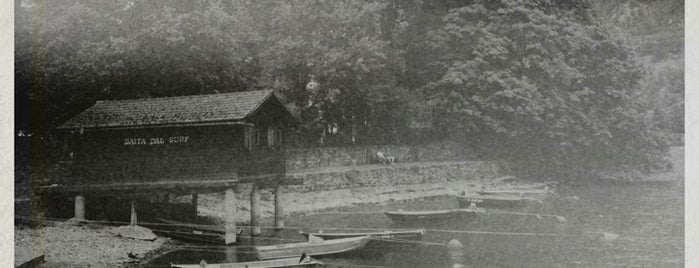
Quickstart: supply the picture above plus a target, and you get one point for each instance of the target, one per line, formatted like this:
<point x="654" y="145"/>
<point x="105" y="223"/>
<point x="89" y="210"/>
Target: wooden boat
<point x="314" y="247"/>
<point x="537" y="194"/>
<point x="415" y="235"/>
<point x="509" y="185"/>
<point x="512" y="181"/>
<point x="214" y="234"/>
<point x="492" y="201"/>
<point x="431" y="215"/>
<point x="278" y="263"/>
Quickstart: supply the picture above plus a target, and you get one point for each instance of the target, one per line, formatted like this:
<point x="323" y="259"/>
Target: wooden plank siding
<point x="147" y="143"/>
<point x="104" y="156"/>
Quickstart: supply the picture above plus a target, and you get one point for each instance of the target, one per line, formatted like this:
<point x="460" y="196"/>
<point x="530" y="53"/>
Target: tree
<point x="95" y="50"/>
<point x="538" y="78"/>
<point x="72" y="53"/>
<point x="546" y="86"/>
<point x="338" y="47"/>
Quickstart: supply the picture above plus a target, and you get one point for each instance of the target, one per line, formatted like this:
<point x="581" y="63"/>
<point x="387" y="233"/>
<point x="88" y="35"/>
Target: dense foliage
<point x="541" y="81"/>
<point x="654" y="29"/>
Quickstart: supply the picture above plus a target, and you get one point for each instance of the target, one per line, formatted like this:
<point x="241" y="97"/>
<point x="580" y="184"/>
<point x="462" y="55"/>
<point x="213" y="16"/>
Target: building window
<point x="278" y="136"/>
<point x="274" y="137"/>
<point x="259" y="140"/>
<point x="250" y="137"/>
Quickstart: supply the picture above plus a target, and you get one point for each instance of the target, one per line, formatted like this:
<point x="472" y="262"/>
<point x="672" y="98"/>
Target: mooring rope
<point x="406" y="241"/>
<point x="345" y="213"/>
<point x="338" y="228"/>
<point x="538" y="215"/>
<point x="150" y="223"/>
<point x="496" y="233"/>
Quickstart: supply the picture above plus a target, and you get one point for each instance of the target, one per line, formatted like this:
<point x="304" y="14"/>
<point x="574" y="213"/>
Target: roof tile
<point x="169" y="110"/>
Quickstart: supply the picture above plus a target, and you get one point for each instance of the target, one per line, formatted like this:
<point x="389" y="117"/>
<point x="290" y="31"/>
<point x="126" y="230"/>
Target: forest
<point x="552" y="86"/>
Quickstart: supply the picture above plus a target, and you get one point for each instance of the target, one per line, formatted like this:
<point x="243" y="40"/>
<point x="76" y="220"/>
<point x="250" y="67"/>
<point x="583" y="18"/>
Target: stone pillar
<point x="164" y="204"/>
<point x="255" y="210"/>
<point x="278" y="207"/>
<point x="195" y="203"/>
<point x="231" y="255"/>
<point x="134" y="218"/>
<point x="229" y="211"/>
<point x="80" y="208"/>
<point x="456" y="252"/>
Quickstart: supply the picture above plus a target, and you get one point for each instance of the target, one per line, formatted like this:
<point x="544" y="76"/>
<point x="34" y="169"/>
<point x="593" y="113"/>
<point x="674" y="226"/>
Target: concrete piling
<point x="456" y="252"/>
<point x="195" y="203"/>
<point x="255" y="210"/>
<point x="79" y="208"/>
<point x="229" y="211"/>
<point x="231" y="255"/>
<point x="134" y="218"/>
<point x="278" y="207"/>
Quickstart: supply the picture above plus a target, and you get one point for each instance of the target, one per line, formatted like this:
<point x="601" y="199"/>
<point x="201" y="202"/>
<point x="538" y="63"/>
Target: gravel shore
<point x="68" y="245"/>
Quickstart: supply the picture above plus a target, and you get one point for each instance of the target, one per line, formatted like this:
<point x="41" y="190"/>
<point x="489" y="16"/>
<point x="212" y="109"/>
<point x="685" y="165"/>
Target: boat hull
<point x="397" y="235"/>
<point x="194" y="233"/>
<point x="538" y="194"/>
<point x="491" y="201"/>
<point x="320" y="248"/>
<point x="426" y="216"/>
<point x="278" y="263"/>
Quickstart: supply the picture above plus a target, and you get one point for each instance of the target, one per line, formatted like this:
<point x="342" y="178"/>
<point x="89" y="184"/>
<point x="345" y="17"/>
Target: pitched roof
<point x="170" y="110"/>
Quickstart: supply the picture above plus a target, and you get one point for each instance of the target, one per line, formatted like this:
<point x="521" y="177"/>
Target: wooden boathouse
<point x="185" y="144"/>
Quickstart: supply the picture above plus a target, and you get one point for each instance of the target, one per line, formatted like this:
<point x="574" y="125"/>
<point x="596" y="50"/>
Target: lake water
<point x="649" y="220"/>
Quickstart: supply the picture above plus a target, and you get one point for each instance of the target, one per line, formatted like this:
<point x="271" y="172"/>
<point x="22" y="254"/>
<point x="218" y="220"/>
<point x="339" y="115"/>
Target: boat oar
<point x="560" y="219"/>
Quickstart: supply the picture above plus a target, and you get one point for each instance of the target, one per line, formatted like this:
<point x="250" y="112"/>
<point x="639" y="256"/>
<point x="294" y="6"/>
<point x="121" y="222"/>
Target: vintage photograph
<point x="347" y="133"/>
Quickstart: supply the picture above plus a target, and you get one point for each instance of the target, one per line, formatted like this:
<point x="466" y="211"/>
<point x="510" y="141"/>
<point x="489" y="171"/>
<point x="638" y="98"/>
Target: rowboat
<point x="278" y="263"/>
<point x="514" y="182"/>
<point x="431" y="215"/>
<point x="315" y="246"/>
<point x="492" y="201"/>
<point x="512" y="186"/>
<point x="397" y="235"/>
<point x="214" y="234"/>
<point x="537" y="194"/>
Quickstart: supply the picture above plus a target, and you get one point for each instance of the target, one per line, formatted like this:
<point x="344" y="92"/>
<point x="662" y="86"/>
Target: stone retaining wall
<point x="305" y="158"/>
<point x="410" y="173"/>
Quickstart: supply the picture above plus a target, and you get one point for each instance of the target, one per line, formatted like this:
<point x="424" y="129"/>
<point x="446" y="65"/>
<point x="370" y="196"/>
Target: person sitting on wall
<point x="381" y="158"/>
<point x="385" y="160"/>
<point x="391" y="158"/>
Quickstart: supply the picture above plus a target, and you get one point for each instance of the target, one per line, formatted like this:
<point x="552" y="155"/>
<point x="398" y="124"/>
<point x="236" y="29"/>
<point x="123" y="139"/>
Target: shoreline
<point x="303" y="203"/>
<point x="61" y="252"/>
<point x="94" y="245"/>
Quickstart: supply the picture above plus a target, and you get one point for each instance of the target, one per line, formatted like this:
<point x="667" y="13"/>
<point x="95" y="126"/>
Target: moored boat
<point x="276" y="263"/>
<point x="511" y="186"/>
<point x="431" y="215"/>
<point x="314" y="247"/>
<point x="537" y="194"/>
<point x="213" y="234"/>
<point x="514" y="182"/>
<point x="384" y="235"/>
<point x="492" y="201"/>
